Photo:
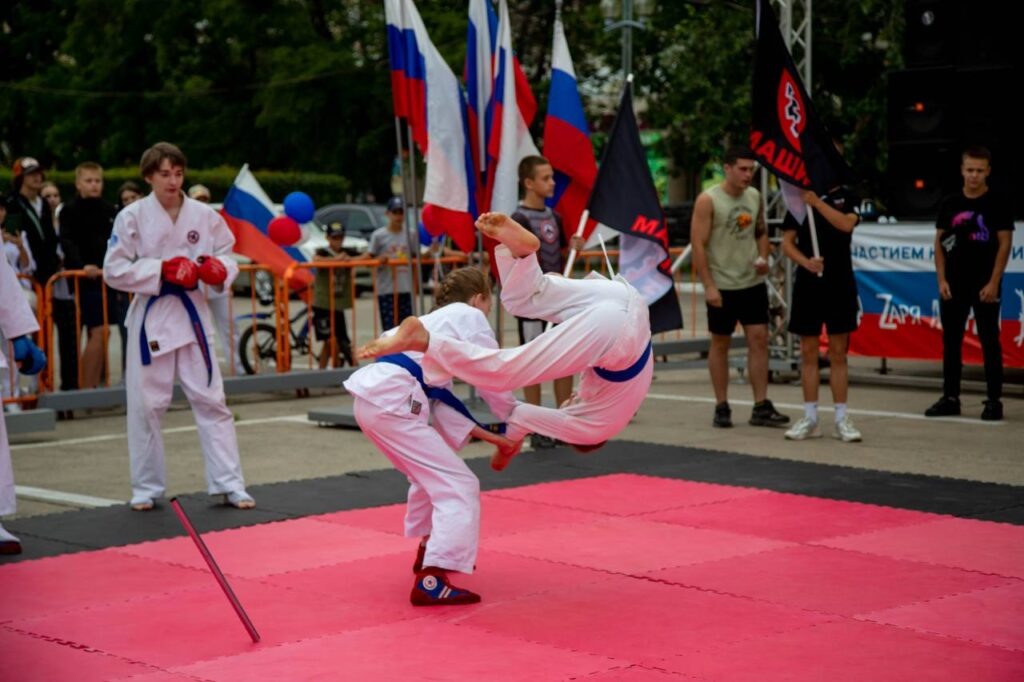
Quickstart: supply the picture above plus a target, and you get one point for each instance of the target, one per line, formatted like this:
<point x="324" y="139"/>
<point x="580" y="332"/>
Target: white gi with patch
<point x="602" y="323"/>
<point x="16" y="319"/>
<point x="394" y="413"/>
<point x="143" y="237"/>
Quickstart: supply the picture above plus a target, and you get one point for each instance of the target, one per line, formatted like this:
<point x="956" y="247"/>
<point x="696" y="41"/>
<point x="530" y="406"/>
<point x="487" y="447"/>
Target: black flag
<point x="624" y="199"/>
<point x="786" y="134"/>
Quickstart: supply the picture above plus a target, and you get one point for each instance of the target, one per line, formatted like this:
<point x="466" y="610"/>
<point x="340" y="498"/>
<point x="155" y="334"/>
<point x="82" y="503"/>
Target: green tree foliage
<point x="303" y="85"/>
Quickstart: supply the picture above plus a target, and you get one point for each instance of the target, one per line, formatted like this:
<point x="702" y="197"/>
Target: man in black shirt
<point x="824" y="294"/>
<point x="972" y="247"/>
<point x="85" y="225"/>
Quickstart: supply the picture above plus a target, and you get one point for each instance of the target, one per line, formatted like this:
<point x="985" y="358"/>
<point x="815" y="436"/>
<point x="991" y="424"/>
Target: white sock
<point x="5" y="536"/>
<point x="811" y="411"/>
<point x="840" y="411"/>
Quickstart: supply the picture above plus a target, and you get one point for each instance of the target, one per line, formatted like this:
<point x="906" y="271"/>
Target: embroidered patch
<point x="415" y="406"/>
<point x="193" y="237"/>
<point x="154" y="345"/>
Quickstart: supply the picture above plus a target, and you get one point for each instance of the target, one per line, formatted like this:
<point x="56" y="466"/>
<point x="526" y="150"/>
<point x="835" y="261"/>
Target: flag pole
<point x="579" y="233"/>
<point x="413" y="220"/>
<point x="814" y="235"/>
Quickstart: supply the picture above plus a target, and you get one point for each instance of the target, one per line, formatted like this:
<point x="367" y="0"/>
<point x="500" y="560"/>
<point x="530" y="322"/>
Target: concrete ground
<point x="87" y="456"/>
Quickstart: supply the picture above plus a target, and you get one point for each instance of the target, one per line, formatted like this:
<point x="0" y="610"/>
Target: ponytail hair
<point x="462" y="284"/>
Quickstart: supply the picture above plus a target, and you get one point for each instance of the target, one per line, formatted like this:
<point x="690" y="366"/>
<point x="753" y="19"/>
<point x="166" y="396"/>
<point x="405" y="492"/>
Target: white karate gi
<point x="220" y="307"/>
<point x="393" y="412"/>
<point x="603" y="323"/>
<point x="16" y="319"/>
<point x="144" y="237"/>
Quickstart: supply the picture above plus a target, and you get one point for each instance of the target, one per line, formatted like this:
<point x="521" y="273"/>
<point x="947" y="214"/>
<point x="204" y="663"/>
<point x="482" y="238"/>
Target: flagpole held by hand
<point x="814" y="235"/>
<point x="572" y="250"/>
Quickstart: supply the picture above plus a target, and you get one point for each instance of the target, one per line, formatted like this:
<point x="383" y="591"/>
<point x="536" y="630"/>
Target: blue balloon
<point x="299" y="207"/>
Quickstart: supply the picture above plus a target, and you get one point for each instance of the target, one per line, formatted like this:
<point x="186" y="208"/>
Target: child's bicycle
<point x="257" y="344"/>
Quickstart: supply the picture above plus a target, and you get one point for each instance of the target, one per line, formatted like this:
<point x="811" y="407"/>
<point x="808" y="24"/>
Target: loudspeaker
<point x="921" y="174"/>
<point x="929" y="32"/>
<point x="921" y="104"/>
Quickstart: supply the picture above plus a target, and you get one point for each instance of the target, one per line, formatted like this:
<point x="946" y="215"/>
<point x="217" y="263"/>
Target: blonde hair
<point x="460" y="285"/>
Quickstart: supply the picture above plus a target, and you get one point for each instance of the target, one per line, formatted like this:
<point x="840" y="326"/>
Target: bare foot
<point x="520" y="241"/>
<point x="504" y="454"/>
<point x="411" y="335"/>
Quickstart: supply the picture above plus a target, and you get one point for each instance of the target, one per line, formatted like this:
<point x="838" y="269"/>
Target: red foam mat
<point x="617" y="577"/>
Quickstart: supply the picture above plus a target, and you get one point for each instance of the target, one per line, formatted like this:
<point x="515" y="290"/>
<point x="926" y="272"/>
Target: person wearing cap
<point x="28" y="212"/>
<point x="200" y="193"/>
<point x="332" y="294"/>
<point x="161" y="248"/>
<point x="394" y="282"/>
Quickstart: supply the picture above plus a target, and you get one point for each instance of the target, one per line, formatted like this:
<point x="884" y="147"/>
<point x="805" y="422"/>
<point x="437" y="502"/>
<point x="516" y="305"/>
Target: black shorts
<point x="91" y="302"/>
<point x="529" y="329"/>
<point x="746" y="306"/>
<point x="822" y="304"/>
<point x="322" y="324"/>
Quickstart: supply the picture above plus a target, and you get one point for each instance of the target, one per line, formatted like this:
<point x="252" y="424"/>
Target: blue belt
<point x="628" y="373"/>
<point x="434" y="392"/>
<point x="193" y="316"/>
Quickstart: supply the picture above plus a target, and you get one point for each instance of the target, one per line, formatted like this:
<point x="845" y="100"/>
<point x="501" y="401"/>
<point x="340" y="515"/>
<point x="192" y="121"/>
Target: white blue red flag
<point x="567" y="139"/>
<point x="478" y="74"/>
<point x="512" y="110"/>
<point x="449" y="205"/>
<point x="408" y="70"/>
<point x="248" y="211"/>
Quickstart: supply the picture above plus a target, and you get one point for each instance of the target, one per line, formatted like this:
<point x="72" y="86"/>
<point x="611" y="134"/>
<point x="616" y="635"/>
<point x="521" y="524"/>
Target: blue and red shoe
<point x="433" y="589"/>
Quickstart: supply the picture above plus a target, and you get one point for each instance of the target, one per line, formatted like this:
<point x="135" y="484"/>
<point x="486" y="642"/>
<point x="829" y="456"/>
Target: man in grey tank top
<point x="730" y="254"/>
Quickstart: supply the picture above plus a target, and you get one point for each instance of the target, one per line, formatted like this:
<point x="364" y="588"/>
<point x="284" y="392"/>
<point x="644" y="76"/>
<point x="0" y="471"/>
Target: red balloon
<point x="284" y="231"/>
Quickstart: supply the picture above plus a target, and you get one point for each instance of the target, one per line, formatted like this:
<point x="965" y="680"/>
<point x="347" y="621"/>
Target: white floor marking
<point x="824" y="408"/>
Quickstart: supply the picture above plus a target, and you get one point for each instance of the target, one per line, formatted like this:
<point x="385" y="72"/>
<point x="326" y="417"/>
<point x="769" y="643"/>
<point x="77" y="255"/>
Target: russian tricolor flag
<point x="408" y="70"/>
<point x="512" y="109"/>
<point x="567" y="140"/>
<point x="430" y="94"/>
<point x="478" y="73"/>
<point x="248" y="211"/>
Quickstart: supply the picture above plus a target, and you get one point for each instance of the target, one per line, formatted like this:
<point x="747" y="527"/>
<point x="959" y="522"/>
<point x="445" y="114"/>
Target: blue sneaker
<point x="433" y="589"/>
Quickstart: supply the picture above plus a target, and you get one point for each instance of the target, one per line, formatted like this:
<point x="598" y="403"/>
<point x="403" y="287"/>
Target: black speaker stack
<point x="961" y="78"/>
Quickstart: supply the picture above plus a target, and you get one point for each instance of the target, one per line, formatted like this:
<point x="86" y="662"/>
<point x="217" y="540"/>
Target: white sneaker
<point x="846" y="431"/>
<point x="804" y="429"/>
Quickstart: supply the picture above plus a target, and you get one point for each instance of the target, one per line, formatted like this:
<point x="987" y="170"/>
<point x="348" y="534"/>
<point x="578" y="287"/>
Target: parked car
<point x="360" y="220"/>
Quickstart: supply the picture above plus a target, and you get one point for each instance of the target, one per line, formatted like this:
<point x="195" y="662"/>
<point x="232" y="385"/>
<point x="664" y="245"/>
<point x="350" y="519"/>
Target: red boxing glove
<point x="212" y="271"/>
<point x="181" y="271"/>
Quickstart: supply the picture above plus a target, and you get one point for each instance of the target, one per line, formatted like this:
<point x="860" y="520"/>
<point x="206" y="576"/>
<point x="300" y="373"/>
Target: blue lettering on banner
<point x="892" y="252"/>
<point x="1017" y="253"/>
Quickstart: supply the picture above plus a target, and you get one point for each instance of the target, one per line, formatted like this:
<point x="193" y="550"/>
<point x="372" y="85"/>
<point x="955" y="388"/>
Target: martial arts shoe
<point x="723" y="416"/>
<point x="420" y="553"/>
<point x="239" y="499"/>
<point x="993" y="411"/>
<point x="846" y="431"/>
<point x="142" y="503"/>
<point x="765" y="414"/>
<point x="804" y="428"/>
<point x="433" y="589"/>
<point x="946" y="406"/>
<point x="9" y="544"/>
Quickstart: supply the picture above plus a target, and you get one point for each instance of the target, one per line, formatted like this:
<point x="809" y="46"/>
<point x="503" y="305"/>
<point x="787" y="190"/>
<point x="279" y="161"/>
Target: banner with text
<point x="899" y="296"/>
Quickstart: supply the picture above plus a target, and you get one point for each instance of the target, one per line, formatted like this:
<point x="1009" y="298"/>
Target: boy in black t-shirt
<point x="972" y="247"/>
<point x="824" y="293"/>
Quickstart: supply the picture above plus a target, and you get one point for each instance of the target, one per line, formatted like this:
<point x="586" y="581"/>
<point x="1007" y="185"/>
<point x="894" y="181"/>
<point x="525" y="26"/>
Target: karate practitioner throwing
<point x="16" y="322"/>
<point x="604" y="332"/>
<point x="393" y="407"/>
<point x="162" y="246"/>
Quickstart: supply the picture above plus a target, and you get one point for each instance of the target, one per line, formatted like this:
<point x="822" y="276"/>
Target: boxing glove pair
<point x="187" y="274"/>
